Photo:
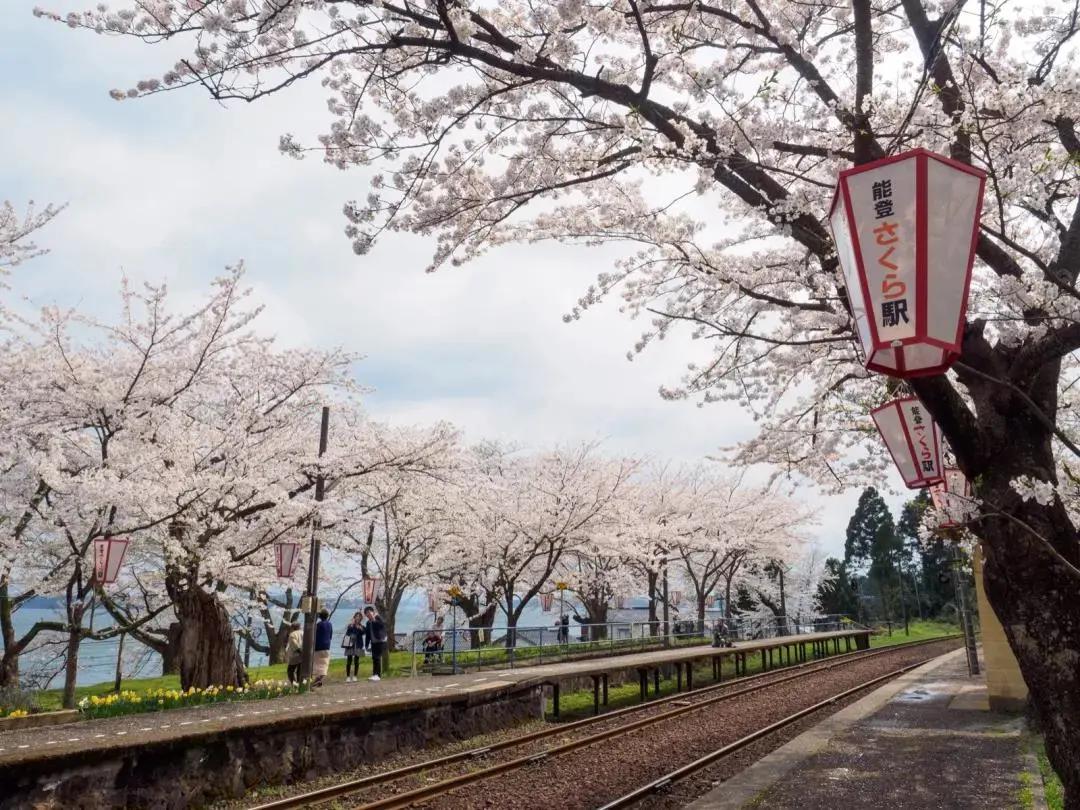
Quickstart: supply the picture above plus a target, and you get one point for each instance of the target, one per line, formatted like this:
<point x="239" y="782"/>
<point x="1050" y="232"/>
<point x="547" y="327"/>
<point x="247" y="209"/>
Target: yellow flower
<point x="18" y="713"/>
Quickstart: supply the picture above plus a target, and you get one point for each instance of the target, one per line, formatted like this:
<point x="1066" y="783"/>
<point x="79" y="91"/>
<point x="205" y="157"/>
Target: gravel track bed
<point x="401" y="759"/>
<point x="429" y="776"/>
<point x="590" y="777"/>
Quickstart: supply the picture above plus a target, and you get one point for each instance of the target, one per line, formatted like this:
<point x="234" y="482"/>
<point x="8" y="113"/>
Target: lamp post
<point x="308" y="652"/>
<point x="455" y="594"/>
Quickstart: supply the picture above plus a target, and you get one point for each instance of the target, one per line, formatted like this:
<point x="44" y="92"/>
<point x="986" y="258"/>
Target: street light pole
<point x="308" y="651"/>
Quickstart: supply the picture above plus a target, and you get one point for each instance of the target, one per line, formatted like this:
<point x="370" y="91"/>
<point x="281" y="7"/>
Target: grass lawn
<point x="919" y="631"/>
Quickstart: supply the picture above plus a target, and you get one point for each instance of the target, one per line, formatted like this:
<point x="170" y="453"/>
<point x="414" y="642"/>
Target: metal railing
<point x="440" y="649"/>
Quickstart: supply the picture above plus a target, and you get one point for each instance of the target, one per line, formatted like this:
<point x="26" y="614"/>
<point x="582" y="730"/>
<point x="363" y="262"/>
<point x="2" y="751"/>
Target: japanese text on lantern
<point x="921" y="429"/>
<point x="895" y="306"/>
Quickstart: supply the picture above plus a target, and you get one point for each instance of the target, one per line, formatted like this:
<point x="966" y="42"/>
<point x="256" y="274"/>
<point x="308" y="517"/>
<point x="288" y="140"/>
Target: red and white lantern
<point x="434" y="599"/>
<point x="710" y="602"/>
<point x="952" y="497"/>
<point x="108" y="557"/>
<point x="676" y="597"/>
<point x="620" y="602"/>
<point x="905" y="229"/>
<point x="913" y="439"/>
<point x="546" y="601"/>
<point x="286" y="558"/>
<point x="372" y="589"/>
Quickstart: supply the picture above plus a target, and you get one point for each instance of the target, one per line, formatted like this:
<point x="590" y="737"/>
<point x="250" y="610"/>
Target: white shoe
<point x="374" y="678"/>
<point x="348" y="679"/>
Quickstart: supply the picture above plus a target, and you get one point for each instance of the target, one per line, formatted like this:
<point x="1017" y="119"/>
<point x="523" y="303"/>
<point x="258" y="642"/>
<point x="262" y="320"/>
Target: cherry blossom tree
<point x="15" y="231"/>
<point x="708" y="136"/>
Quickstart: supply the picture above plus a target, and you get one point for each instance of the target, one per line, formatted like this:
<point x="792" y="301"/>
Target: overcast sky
<point x="175" y="187"/>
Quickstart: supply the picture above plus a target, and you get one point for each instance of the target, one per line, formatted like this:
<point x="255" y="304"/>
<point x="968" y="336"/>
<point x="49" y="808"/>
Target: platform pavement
<point x="926" y="740"/>
<point x="339" y="700"/>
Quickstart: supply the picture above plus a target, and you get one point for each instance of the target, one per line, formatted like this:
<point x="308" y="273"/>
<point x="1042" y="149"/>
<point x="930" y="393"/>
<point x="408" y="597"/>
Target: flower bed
<point x="128" y="702"/>
<point x="13" y="712"/>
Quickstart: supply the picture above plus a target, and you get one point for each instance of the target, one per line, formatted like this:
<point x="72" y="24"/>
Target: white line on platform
<point x="118" y="734"/>
<point x="24" y="746"/>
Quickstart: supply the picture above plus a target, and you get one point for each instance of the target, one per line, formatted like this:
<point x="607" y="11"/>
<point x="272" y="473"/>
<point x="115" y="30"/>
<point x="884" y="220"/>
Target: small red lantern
<point x="546" y="601"/>
<point x="913" y="439"/>
<point x="952" y="497"/>
<point x="286" y="558"/>
<point x="676" y="597"/>
<point x="108" y="557"/>
<point x="710" y="601"/>
<point x="433" y="601"/>
<point x="620" y="602"/>
<point x="905" y="229"/>
<point x="372" y="589"/>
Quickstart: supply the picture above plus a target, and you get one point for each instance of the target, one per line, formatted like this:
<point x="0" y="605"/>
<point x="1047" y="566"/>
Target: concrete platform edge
<point x="763" y="774"/>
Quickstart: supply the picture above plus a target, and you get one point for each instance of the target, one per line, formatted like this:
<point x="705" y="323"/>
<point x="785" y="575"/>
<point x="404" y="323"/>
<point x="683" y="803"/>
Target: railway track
<point x="636" y="717"/>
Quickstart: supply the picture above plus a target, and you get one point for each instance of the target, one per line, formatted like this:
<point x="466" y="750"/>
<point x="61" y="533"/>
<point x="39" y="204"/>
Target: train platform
<point x="295" y="737"/>
<point x="926" y="740"/>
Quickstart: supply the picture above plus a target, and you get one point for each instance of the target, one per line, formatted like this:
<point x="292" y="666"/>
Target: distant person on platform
<point x="294" y="652"/>
<point x="564" y="629"/>
<point x="377" y="637"/>
<point x="584" y="622"/>
<point x="324" y="635"/>
<point x="353" y="645"/>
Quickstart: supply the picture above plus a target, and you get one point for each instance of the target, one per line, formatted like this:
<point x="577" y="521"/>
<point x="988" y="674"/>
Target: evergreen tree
<point x="836" y="592"/>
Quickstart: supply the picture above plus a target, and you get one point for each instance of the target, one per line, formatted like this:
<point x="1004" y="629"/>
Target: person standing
<point x="324" y="635"/>
<point x="294" y="652"/>
<point x="353" y="644"/>
<point x="376" y="629"/>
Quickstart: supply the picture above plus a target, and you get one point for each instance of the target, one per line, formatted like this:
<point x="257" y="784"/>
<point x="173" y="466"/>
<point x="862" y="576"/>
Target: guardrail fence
<point x="440" y="649"/>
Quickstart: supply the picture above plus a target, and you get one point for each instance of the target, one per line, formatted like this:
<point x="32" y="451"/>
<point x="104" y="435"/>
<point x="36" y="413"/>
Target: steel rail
<point x="663" y="782"/>
<point x="353" y="786"/>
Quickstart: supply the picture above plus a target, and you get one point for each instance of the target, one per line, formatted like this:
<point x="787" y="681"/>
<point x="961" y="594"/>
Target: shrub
<point x="16" y="702"/>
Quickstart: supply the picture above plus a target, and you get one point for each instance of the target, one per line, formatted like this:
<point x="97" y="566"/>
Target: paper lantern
<point x="546" y="601"/>
<point x="676" y="597"/>
<point x="620" y="602"/>
<point x="434" y="598"/>
<point x="108" y="557"/>
<point x="905" y="229"/>
<point x="913" y="439"/>
<point x="286" y="558"/>
<point x="952" y="497"/>
<point x="372" y="589"/>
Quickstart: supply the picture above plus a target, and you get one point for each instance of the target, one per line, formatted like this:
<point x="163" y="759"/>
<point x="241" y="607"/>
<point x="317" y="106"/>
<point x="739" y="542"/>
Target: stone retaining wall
<point x="197" y="770"/>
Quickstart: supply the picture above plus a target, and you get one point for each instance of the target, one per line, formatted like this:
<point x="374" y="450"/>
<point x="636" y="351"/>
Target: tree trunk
<point x="701" y="609"/>
<point x="480" y="621"/>
<point x="207" y="655"/>
<point x="9" y="660"/>
<point x="71" y="664"/>
<point x="170" y="652"/>
<point x="654" y="622"/>
<point x="277" y="641"/>
<point x="1033" y="591"/>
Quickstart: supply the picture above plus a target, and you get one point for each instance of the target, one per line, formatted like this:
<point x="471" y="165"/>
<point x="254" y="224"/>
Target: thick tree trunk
<point x="277" y="642"/>
<point x="1035" y="593"/>
<point x="207" y="654"/>
<point x="170" y="652"/>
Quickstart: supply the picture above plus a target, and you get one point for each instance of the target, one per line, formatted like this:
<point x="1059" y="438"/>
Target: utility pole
<point x="783" y="600"/>
<point x="667" y="625"/>
<point x="308" y="652"/>
<point x="965" y="615"/>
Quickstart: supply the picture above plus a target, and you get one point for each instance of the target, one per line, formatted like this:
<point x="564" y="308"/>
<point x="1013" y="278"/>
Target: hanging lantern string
<point x="946" y="23"/>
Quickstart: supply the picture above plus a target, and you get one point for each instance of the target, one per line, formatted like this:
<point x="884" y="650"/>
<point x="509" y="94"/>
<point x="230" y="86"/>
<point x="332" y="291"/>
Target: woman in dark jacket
<point x="324" y="635"/>
<point x="353" y="644"/>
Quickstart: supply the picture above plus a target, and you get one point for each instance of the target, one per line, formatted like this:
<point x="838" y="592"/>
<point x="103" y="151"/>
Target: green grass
<point x="1055" y="791"/>
<point x="918" y="631"/>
